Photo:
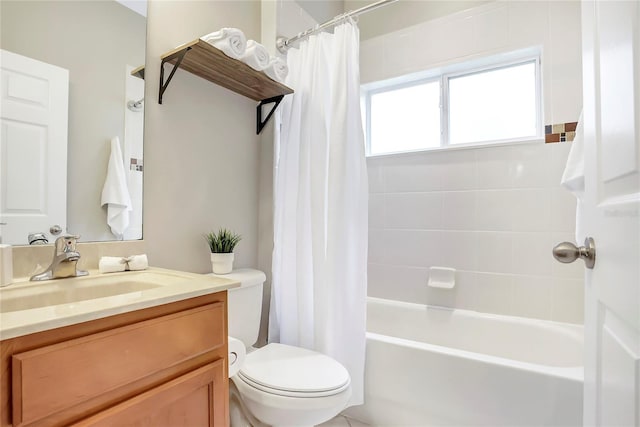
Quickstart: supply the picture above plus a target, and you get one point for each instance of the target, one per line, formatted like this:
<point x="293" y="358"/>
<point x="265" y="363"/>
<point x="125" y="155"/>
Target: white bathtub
<point x="429" y="366"/>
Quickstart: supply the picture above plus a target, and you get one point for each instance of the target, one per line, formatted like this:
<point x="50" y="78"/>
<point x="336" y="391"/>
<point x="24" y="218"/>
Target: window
<point x="406" y="119"/>
<point x="495" y="102"/>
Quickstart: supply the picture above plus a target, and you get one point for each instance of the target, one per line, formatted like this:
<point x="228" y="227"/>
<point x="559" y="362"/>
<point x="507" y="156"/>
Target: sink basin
<point x="64" y="291"/>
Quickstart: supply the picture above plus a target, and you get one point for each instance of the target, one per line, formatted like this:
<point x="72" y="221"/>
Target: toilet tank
<point x="245" y="304"/>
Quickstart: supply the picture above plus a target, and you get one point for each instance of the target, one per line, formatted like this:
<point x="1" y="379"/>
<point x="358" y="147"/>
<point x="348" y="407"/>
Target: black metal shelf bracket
<point x="262" y="123"/>
<point x="163" y="85"/>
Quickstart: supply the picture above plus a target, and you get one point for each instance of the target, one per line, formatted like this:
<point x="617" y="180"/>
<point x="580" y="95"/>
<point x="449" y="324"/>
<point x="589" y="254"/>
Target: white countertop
<point x="179" y="286"/>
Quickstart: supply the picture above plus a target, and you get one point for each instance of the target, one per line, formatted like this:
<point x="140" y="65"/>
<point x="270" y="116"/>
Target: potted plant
<point x="221" y="245"/>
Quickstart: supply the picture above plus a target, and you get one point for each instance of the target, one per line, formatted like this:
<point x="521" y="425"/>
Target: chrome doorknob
<point x="567" y="252"/>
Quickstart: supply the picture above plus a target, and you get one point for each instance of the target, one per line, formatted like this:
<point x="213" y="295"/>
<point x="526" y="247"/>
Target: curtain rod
<point x="283" y="44"/>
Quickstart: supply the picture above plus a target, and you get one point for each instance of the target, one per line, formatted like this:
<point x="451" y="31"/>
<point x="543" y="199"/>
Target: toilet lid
<point x="293" y="371"/>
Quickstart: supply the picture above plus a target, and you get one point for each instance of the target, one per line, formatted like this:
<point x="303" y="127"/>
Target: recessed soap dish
<point x="442" y="277"/>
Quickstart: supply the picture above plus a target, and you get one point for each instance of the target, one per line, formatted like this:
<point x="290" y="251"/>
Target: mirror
<point x="99" y="43"/>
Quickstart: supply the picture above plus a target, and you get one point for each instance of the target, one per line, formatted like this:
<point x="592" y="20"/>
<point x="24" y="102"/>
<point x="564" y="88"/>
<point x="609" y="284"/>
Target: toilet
<point x="278" y="385"/>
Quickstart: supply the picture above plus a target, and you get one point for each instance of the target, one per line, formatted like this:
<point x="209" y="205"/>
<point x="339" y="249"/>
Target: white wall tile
<point x="494" y="213"/>
<point x="458" y="250"/>
<point x="412" y="176"/>
<point x="375" y="177"/>
<point x="494" y="168"/>
<point x="568" y="300"/>
<point x="532" y="209"/>
<point x="528" y="22"/>
<point x="494" y="251"/>
<point x="566" y="80"/>
<point x="491" y="28"/>
<point x="371" y="68"/>
<point x="531" y="163"/>
<point x="455" y="34"/>
<point x="493" y="293"/>
<point x="414" y="210"/>
<point x="458" y="169"/>
<point x="376" y="248"/>
<point x="376" y="210"/>
<point x="564" y="41"/>
<point x="494" y="210"/>
<point x="532" y="254"/>
<point x="563" y="210"/>
<point x="414" y="248"/>
<point x="559" y="156"/>
<point x="532" y="296"/>
<point x="398" y="282"/>
<point x="459" y="210"/>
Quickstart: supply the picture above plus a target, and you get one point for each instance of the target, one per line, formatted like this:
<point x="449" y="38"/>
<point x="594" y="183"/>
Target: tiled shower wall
<point x="491" y="213"/>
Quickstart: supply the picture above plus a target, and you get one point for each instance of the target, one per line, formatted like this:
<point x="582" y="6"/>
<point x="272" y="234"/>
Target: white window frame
<point x="443" y="75"/>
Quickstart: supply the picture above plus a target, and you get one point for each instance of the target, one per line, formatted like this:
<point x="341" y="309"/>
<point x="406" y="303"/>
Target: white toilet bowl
<point x="281" y="385"/>
<point x="278" y="385"/>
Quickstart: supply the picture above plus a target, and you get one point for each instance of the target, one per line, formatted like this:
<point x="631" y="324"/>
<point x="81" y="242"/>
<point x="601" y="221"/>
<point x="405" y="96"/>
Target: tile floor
<point x="342" y="421"/>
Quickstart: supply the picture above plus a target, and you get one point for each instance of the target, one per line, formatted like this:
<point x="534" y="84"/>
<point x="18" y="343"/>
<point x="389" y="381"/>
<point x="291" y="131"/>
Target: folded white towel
<point x="111" y="264"/>
<point x="277" y="70"/>
<point x="573" y="176"/>
<point x="115" y="193"/>
<point x="256" y="56"/>
<point x="231" y="41"/>
<point x="137" y="262"/>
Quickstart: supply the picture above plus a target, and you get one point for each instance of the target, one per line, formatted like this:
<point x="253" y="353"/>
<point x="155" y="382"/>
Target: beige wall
<point x="94" y="41"/>
<point x="404" y="13"/>
<point x="322" y="10"/>
<point x="201" y="150"/>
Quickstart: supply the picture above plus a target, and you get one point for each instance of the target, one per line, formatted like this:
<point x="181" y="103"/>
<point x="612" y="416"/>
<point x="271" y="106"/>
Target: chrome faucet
<point x="65" y="260"/>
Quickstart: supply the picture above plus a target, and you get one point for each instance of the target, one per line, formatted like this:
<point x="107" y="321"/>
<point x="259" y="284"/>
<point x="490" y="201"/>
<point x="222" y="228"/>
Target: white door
<point x="33" y="147"/>
<point x="611" y="66"/>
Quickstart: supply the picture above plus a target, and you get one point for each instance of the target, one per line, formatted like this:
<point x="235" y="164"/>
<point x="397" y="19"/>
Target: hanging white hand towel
<point x="231" y="41"/>
<point x="573" y="176"/>
<point x="256" y="56"/>
<point x="115" y="193"/>
<point x="277" y="70"/>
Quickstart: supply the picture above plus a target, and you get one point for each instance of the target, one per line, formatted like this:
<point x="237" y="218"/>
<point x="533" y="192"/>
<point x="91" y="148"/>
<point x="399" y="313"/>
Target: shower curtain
<point x="319" y="282"/>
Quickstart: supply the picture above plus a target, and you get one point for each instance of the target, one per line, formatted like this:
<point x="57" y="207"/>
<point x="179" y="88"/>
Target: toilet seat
<point x="289" y="371"/>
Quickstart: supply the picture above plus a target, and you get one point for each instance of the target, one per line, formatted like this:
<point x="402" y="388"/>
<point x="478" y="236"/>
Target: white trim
<point x="470" y="146"/>
<point x="443" y="75"/>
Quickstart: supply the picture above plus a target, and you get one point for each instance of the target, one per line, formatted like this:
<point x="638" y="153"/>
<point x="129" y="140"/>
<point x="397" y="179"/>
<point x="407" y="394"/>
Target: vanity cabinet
<point x="161" y="366"/>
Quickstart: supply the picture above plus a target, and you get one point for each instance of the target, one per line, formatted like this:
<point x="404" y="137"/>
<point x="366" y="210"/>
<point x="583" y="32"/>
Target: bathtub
<point x="431" y="366"/>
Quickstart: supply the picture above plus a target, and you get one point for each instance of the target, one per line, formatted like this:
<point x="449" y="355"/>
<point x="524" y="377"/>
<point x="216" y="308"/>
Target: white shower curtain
<point x="320" y="195"/>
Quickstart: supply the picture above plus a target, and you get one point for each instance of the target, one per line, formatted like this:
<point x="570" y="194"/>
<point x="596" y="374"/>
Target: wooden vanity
<point x="159" y="366"/>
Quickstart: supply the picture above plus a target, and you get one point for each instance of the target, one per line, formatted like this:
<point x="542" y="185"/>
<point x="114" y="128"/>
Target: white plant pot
<point x="221" y="263"/>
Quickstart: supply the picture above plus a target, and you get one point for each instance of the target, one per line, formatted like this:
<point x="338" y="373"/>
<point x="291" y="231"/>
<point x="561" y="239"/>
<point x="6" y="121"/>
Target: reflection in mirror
<point x="67" y="91"/>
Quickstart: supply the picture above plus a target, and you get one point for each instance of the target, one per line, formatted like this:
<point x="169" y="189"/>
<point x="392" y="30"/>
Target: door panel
<point x="611" y="214"/>
<point x="33" y="146"/>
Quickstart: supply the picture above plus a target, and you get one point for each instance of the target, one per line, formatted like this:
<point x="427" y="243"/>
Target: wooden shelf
<point x="212" y="64"/>
<point x="138" y="72"/>
<point x="205" y="61"/>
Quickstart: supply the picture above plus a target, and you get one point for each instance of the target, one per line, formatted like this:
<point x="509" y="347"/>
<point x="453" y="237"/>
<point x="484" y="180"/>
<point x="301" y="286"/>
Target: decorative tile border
<point x="560" y="133"/>
<point x="136" y="165"/>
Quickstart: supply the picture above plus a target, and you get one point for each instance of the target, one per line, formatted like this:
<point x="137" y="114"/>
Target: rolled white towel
<point x="256" y="56"/>
<point x="231" y="41"/>
<point x="111" y="264"/>
<point x="277" y="70"/>
<point x="137" y="262"/>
